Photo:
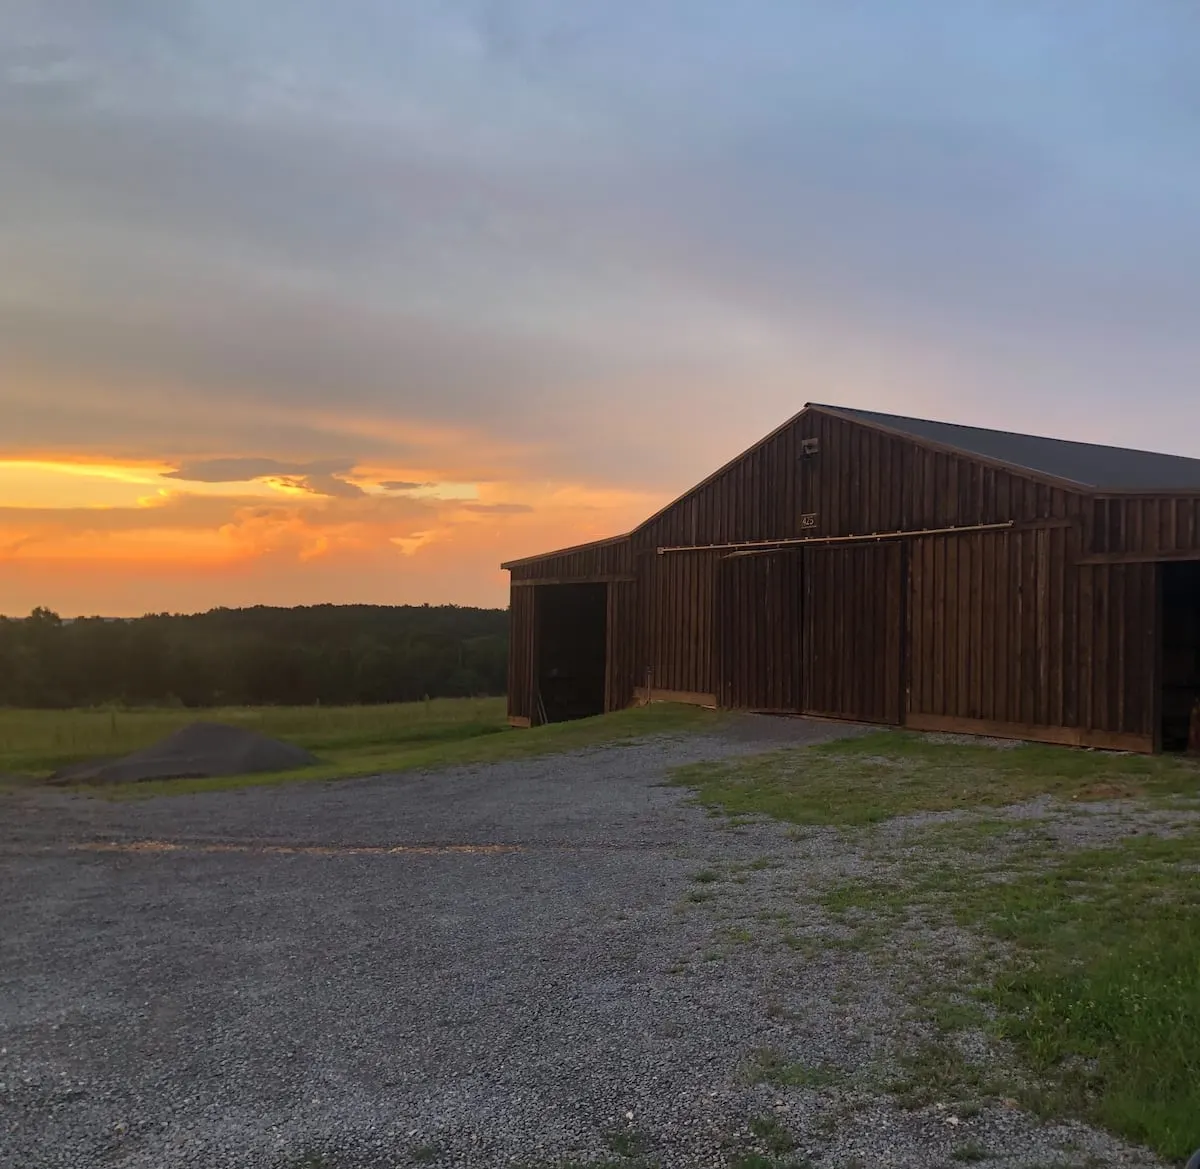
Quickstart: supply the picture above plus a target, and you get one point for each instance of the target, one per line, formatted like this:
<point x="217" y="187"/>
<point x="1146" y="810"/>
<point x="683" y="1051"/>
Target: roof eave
<point x="1143" y="492"/>
<point x="523" y="560"/>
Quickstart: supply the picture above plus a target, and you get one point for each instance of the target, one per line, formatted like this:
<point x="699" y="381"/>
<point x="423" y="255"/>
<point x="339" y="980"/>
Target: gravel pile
<point x="606" y="981"/>
<point x="197" y="751"/>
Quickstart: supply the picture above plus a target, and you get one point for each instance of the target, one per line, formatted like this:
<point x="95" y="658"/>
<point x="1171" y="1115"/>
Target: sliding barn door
<point x="758" y="630"/>
<point x="853" y="631"/>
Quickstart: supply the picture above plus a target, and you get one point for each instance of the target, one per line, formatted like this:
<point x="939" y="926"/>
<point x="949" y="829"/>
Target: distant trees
<point x="332" y="654"/>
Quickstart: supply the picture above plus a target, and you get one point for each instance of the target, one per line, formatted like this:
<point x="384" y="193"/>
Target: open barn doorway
<point x="572" y="633"/>
<point x="1180" y="652"/>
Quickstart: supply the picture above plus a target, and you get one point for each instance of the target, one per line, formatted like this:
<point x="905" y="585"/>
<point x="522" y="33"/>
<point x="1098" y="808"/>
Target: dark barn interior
<point x="889" y="570"/>
<point x="1180" y="651"/>
<point x="571" y="635"/>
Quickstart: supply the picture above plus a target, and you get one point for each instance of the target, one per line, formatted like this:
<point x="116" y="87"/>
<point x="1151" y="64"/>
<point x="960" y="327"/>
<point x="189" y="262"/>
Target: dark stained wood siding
<point x="1152" y="526"/>
<point x="1118" y="624"/>
<point x="860" y="481"/>
<point x="677" y="627"/>
<point x="760" y="661"/>
<point x="993" y="631"/>
<point x="853" y="631"/>
<point x="622" y="633"/>
<point x="522" y="651"/>
<point x="1007" y="628"/>
<point x="589" y="562"/>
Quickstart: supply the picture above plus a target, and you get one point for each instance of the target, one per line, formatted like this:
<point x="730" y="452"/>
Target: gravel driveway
<point x="501" y="965"/>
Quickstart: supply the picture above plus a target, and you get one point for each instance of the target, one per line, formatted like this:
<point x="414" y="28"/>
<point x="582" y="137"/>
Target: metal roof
<point x="1101" y="468"/>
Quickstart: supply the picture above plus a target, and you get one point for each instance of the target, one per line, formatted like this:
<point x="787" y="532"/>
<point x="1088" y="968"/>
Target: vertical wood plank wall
<point x="853" y="631"/>
<point x="605" y="558"/>
<point x="1152" y="525"/>
<point x="759" y="633"/>
<point x="987" y="640"/>
<point x="860" y="481"/>
<point x="678" y="641"/>
<point x="1007" y="629"/>
<point x="522" y="653"/>
<point x="1118" y="628"/>
<point x="622" y="641"/>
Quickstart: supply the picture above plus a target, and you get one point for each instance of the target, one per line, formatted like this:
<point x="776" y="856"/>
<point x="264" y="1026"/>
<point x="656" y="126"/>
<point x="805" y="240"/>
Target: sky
<point x="305" y="301"/>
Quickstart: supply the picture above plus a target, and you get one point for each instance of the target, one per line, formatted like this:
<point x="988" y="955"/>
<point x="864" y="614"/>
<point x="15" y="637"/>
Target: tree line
<point x="331" y="654"/>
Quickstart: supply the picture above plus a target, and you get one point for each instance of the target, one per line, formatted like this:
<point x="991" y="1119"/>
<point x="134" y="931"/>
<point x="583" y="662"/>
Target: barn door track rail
<point x="751" y="547"/>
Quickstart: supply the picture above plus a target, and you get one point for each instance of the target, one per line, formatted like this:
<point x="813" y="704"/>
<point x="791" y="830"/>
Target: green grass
<point x="348" y="741"/>
<point x="937" y="1072"/>
<point x="1097" y="988"/>
<point x="969" y="1152"/>
<point x="737" y="936"/>
<point x="1102" y="998"/>
<point x="878" y="898"/>
<point x="43" y="740"/>
<point x="873" y="778"/>
<point x="627" y="1142"/>
<point x="765" y="1161"/>
<point x="772" y="1133"/>
<point x="767" y="1066"/>
<point x="949" y="1015"/>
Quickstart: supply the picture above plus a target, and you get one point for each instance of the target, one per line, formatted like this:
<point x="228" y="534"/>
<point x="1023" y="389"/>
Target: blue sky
<point x="585" y="250"/>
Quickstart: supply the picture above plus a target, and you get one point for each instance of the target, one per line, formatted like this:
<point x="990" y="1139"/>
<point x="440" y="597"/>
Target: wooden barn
<point x="891" y="570"/>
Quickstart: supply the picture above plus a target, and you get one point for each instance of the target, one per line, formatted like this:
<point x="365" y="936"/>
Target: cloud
<point x="498" y="508"/>
<point x="323" y="477"/>
<point x="403" y="485"/>
<point x="188" y="551"/>
<point x="241" y="470"/>
<point x="212" y="529"/>
<point x="620" y="237"/>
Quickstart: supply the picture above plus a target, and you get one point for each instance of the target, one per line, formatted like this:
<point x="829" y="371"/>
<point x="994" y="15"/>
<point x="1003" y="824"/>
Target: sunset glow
<point x="64" y="521"/>
<point x="354" y="303"/>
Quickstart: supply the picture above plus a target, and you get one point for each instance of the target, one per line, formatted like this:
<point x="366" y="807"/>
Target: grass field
<point x="863" y="781"/>
<point x="42" y="740"/>
<point x="348" y="741"/>
<point x="1098" y="986"/>
<point x="1102" y="997"/>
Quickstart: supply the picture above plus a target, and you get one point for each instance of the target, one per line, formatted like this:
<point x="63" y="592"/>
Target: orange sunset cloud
<point x="251" y="522"/>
